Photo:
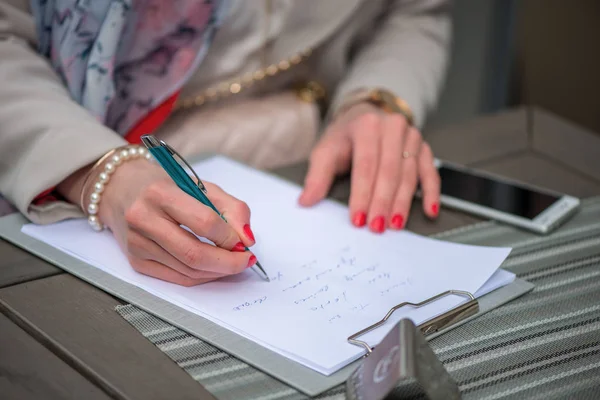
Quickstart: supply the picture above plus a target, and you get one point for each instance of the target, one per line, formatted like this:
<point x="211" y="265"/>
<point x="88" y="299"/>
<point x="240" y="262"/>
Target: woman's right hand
<point x="144" y="209"/>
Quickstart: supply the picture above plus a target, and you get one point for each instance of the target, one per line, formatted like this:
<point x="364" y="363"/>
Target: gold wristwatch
<point x="381" y="98"/>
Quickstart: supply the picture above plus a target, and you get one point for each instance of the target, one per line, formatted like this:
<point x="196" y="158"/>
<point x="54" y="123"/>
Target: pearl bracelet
<point x="115" y="158"/>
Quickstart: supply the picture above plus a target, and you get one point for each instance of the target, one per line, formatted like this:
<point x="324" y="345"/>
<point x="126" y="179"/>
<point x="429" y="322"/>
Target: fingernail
<point x="397" y="221"/>
<point x="251" y="261"/>
<point x="360" y="218"/>
<point x="248" y="232"/>
<point x="239" y="247"/>
<point x="378" y="224"/>
<point x="435" y="208"/>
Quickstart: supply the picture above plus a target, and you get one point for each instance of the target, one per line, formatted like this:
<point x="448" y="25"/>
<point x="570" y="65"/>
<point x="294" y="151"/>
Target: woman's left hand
<point x="388" y="159"/>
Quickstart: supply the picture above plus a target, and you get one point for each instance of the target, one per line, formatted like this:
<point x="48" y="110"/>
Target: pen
<point x="165" y="155"/>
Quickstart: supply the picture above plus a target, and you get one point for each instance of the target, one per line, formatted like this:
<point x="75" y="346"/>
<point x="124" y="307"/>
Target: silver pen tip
<point x="264" y="273"/>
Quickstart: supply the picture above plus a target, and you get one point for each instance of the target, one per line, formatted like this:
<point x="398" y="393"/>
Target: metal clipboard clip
<point x="449" y="318"/>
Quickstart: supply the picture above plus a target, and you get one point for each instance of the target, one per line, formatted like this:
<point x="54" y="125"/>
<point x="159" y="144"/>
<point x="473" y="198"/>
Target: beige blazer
<point x="400" y="45"/>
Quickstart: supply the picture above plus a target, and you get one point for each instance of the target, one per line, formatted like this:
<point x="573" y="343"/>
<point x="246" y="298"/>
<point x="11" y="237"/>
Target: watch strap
<point x="381" y="98"/>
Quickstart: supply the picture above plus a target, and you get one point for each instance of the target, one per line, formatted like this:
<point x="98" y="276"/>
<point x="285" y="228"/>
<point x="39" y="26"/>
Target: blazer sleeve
<point x="405" y="52"/>
<point x="44" y="135"/>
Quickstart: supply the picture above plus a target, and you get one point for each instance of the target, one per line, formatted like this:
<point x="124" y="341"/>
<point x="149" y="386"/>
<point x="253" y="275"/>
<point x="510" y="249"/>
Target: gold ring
<point x="406" y="154"/>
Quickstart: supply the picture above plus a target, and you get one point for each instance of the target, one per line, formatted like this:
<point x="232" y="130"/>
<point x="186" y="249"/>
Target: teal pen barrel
<point x="180" y="176"/>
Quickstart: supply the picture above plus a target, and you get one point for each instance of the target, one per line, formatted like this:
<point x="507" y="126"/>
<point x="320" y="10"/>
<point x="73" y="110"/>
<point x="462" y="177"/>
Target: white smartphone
<point x="509" y="201"/>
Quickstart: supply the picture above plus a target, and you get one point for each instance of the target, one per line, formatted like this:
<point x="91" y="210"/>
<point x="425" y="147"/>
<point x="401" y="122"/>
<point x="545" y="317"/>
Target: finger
<point x="430" y="182"/>
<point x="159" y="271"/>
<point x="201" y="219"/>
<point x="329" y="158"/>
<point x="393" y="129"/>
<point x="235" y="211"/>
<point x="408" y="184"/>
<point x="188" y="249"/>
<point x="143" y="248"/>
<point x="365" y="161"/>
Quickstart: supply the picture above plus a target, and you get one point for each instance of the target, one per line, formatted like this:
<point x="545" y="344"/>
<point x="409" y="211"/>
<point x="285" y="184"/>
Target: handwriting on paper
<point x="250" y="303"/>
<point x="277" y="277"/>
<point x="353" y="276"/>
<point x="395" y="286"/>
<point x="331" y="301"/>
<point x="298" y="283"/>
<point x="385" y="275"/>
<point x="334" y="318"/>
<point x="312" y="296"/>
<point x="335" y="287"/>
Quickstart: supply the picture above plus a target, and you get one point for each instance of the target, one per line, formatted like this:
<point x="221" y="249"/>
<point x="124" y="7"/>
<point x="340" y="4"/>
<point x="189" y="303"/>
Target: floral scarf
<point x="120" y="59"/>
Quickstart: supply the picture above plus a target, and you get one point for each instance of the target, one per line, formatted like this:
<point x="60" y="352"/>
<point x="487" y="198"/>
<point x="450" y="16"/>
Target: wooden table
<point x="61" y="338"/>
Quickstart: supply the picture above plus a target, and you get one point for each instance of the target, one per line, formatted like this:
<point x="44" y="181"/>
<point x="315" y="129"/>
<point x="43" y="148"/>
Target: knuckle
<point x="369" y="118"/>
<point x="205" y="221"/>
<point x="397" y="121"/>
<point x="155" y="190"/>
<point x="415" y="134"/>
<point x="192" y="257"/>
<point x="367" y="122"/>
<point x="242" y="207"/>
<point x="135" y="213"/>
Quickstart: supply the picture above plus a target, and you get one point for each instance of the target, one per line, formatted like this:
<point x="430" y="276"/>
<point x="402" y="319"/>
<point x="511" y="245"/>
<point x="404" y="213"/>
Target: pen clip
<point x="173" y="152"/>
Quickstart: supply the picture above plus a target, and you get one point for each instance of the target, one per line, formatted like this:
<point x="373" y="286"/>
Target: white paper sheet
<point x="328" y="279"/>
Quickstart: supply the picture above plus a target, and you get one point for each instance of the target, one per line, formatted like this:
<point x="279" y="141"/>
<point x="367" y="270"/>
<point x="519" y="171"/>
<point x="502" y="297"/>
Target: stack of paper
<point x="328" y="279"/>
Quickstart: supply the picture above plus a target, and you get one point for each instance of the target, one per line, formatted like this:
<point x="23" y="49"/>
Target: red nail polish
<point x="360" y="219"/>
<point x="378" y="224"/>
<point x="397" y="221"/>
<point x="248" y="232"/>
<point x="435" y="208"/>
<point x="251" y="261"/>
<point x="239" y="247"/>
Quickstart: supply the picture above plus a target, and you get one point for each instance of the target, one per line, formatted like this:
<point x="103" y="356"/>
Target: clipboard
<point x="296" y="375"/>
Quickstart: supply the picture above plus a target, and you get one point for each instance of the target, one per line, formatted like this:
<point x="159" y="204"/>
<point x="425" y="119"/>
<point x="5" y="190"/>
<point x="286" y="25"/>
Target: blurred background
<point x="509" y="53"/>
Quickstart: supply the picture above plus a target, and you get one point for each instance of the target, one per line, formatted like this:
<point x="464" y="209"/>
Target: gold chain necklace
<point x="309" y="92"/>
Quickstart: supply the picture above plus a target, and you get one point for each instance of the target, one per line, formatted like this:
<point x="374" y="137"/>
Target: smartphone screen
<point x="500" y="196"/>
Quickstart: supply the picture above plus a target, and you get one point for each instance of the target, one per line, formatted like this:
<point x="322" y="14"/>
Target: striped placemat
<point x="543" y="345"/>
